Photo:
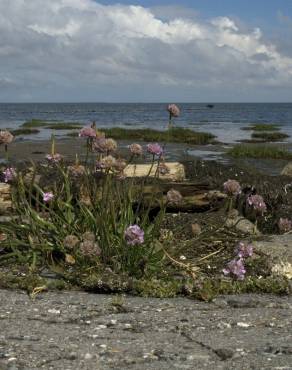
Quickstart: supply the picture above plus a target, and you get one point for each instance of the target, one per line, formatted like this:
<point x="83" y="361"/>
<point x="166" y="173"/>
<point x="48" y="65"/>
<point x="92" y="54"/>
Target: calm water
<point x="223" y="120"/>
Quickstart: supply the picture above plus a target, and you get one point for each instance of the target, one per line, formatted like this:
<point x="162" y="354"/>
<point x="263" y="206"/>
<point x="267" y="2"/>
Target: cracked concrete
<point x="76" y="330"/>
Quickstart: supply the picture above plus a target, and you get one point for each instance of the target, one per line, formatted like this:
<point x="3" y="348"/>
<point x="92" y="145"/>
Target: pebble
<point x="54" y="311"/>
<point x="243" y="324"/>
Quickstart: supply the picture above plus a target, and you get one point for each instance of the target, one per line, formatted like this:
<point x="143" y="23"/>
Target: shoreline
<point x="36" y="150"/>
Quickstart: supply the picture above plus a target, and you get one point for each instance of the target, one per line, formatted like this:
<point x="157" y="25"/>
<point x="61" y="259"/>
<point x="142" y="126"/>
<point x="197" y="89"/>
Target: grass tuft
<point x="269" y="136"/>
<point x="34" y="123"/>
<point x="65" y="126"/>
<point x="174" y="135"/>
<point x="262" y="127"/>
<point x="263" y="151"/>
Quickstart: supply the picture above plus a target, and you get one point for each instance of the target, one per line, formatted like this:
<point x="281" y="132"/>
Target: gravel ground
<point x="76" y="330"/>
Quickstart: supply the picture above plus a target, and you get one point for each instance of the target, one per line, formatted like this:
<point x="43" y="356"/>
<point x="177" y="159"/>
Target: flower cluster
<point x="232" y="187"/>
<point x="284" y="225"/>
<point x="47" y="197"/>
<point x="173" y="110"/>
<point x="89" y="247"/>
<point x="5" y="137"/>
<point x="88" y="132"/>
<point x="103" y="145"/>
<point x="257" y="203"/>
<point x="77" y="170"/>
<point x="9" y="174"/>
<point x="134" y="235"/>
<point x="235" y="268"/>
<point x="155" y="149"/>
<point x="244" y="249"/>
<point x="136" y="149"/>
<point x="70" y="241"/>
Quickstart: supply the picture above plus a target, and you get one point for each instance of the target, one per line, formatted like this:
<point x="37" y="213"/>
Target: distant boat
<point x="210" y="105"/>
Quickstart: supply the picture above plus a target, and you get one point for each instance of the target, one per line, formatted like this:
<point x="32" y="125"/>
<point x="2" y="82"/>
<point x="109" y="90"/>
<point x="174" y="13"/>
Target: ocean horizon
<point x="224" y="120"/>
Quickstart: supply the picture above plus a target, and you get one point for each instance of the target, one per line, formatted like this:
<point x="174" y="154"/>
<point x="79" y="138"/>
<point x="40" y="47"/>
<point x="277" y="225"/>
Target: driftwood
<point x="5" y="199"/>
<point x="176" y="171"/>
<point x="196" y="196"/>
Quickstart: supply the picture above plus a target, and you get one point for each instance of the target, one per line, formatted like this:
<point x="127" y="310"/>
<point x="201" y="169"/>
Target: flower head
<point x="5" y="137"/>
<point x="77" y="170"/>
<point x="120" y="165"/>
<point x="284" y="225"/>
<point x="136" y="149"/>
<point x="174" y="196"/>
<point x="88" y="235"/>
<point x="103" y="145"/>
<point x="232" y="187"/>
<point x="154" y="149"/>
<point x="70" y="241"/>
<point x="88" y="132"/>
<point x="257" y="203"/>
<point x="174" y="110"/>
<point x="47" y="197"/>
<point x="9" y="174"/>
<point x="89" y="248"/>
<point x="134" y="235"/>
<point x="107" y="163"/>
<point x="236" y="269"/>
<point x="244" y="250"/>
<point x="54" y="158"/>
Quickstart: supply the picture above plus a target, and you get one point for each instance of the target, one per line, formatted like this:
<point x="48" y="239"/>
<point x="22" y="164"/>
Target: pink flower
<point x="257" y="203"/>
<point x="47" y="197"/>
<point x="244" y="250"/>
<point x="54" y="158"/>
<point x="87" y="132"/>
<point x="134" y="235"/>
<point x="232" y="187"/>
<point x="9" y="174"/>
<point x="236" y="269"/>
<point x="5" y="137"/>
<point x="136" y="149"/>
<point x="154" y="149"/>
<point x="174" y="110"/>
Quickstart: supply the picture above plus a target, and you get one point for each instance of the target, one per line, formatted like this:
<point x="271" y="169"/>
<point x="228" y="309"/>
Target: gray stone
<point x="242" y="224"/>
<point x="279" y="251"/>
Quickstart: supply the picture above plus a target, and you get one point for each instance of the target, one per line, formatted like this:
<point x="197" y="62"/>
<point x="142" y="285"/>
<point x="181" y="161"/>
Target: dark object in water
<point x="210" y="105"/>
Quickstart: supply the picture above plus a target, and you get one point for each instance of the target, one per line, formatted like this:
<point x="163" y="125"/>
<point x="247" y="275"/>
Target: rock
<point x="279" y="250"/>
<point x="287" y="170"/>
<point x="224" y="353"/>
<point x="242" y="224"/>
<point x="196" y="229"/>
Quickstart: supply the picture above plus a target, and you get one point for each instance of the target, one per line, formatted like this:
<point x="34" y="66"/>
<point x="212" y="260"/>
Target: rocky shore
<point x="74" y="330"/>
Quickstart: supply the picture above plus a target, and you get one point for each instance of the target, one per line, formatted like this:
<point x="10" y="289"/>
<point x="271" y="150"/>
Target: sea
<point x="224" y="120"/>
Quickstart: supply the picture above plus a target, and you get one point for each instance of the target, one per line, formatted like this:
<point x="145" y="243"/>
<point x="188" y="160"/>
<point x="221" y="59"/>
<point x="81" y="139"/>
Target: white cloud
<point x="65" y="49"/>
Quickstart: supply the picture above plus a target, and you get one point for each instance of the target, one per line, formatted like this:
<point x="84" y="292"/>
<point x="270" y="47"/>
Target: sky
<point x="146" y="51"/>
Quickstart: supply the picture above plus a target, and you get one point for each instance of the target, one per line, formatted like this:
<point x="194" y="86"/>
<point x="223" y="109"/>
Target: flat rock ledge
<point x="77" y="330"/>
